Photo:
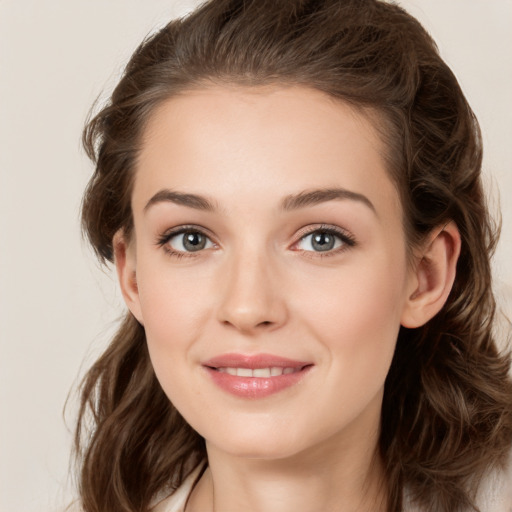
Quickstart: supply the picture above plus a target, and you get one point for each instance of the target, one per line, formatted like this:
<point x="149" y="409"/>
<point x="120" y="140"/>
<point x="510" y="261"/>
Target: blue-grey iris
<point x="323" y="241"/>
<point x="194" y="241"/>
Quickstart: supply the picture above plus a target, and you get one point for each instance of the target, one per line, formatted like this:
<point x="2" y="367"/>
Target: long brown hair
<point x="447" y="409"/>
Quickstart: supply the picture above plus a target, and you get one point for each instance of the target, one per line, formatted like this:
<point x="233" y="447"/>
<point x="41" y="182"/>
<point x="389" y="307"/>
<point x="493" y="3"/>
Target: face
<point x="268" y="267"/>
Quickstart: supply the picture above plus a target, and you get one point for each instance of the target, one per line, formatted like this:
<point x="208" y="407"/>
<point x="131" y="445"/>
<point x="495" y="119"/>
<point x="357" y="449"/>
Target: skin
<point x="259" y="286"/>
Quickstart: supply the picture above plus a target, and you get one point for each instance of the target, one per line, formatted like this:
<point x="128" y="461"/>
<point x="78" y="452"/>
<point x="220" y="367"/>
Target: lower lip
<point x="255" y="387"/>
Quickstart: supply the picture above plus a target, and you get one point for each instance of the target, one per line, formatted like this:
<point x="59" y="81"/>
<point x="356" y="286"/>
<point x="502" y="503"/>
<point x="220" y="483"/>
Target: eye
<point x="324" y="240"/>
<point x="185" y="240"/>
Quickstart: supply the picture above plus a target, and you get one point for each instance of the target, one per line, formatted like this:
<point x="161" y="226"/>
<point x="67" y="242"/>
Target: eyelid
<point x="348" y="240"/>
<point x="183" y="228"/>
<point x="164" y="238"/>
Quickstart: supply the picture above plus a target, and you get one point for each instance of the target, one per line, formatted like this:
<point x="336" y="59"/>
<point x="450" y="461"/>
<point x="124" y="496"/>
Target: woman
<point x="291" y="194"/>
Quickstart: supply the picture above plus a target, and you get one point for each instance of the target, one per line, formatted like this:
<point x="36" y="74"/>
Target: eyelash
<point x="346" y="239"/>
<point x="164" y="239"/>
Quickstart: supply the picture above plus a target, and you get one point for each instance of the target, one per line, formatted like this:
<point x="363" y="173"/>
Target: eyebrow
<point x="180" y="198"/>
<point x="317" y="196"/>
<point x="289" y="203"/>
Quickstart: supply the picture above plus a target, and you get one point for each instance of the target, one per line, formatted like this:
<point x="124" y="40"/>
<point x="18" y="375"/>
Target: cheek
<point x="358" y="319"/>
<point x="173" y="321"/>
<point x="170" y="300"/>
<point x="173" y="311"/>
<point x="369" y="296"/>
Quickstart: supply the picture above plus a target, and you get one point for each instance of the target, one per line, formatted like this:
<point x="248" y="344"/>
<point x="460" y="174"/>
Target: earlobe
<point x="125" y="261"/>
<point x="432" y="277"/>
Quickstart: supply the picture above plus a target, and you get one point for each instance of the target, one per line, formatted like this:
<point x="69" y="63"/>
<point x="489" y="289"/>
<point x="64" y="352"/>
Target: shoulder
<point x="177" y="500"/>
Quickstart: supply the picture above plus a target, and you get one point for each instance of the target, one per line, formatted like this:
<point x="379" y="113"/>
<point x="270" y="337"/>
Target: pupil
<point x="323" y="242"/>
<point x="194" y="241"/>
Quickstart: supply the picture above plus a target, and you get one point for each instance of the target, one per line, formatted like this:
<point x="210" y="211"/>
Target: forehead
<point x="239" y="141"/>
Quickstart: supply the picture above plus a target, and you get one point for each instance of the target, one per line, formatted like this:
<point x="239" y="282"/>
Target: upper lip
<point x="253" y="361"/>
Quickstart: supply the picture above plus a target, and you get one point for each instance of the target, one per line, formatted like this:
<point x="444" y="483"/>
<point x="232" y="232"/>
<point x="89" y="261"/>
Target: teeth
<point x="261" y="372"/>
<point x="258" y="372"/>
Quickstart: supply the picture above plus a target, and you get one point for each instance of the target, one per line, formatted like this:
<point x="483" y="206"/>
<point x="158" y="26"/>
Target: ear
<point x="432" y="277"/>
<point x="126" y="264"/>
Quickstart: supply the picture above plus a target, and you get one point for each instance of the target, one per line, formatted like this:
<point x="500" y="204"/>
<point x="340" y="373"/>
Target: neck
<point x="333" y="477"/>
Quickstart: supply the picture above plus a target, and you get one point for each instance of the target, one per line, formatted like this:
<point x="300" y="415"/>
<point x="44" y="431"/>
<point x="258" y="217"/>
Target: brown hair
<point x="447" y="410"/>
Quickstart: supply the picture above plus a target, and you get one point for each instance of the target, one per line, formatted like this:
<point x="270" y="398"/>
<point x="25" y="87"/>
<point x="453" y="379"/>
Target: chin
<point x="260" y="450"/>
<point x="272" y="443"/>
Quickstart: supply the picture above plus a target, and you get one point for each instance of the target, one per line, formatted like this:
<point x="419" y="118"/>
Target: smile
<point x="255" y="376"/>
<point x="274" y="371"/>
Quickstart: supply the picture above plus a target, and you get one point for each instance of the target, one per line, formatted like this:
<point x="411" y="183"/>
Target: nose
<point x="252" y="297"/>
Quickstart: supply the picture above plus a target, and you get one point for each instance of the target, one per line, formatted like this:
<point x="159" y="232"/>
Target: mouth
<point x="255" y="376"/>
<point x="258" y="373"/>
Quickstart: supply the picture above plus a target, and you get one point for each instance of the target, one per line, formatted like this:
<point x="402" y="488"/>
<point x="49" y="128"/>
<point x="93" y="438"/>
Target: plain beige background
<point x="57" y="308"/>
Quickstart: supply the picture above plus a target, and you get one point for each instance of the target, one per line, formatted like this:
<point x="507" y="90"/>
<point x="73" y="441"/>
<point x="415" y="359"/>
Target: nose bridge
<point x="251" y="295"/>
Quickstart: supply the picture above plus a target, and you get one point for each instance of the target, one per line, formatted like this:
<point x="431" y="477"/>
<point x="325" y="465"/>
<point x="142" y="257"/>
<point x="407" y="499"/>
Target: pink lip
<point x="255" y="387"/>
<point x="253" y="361"/>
